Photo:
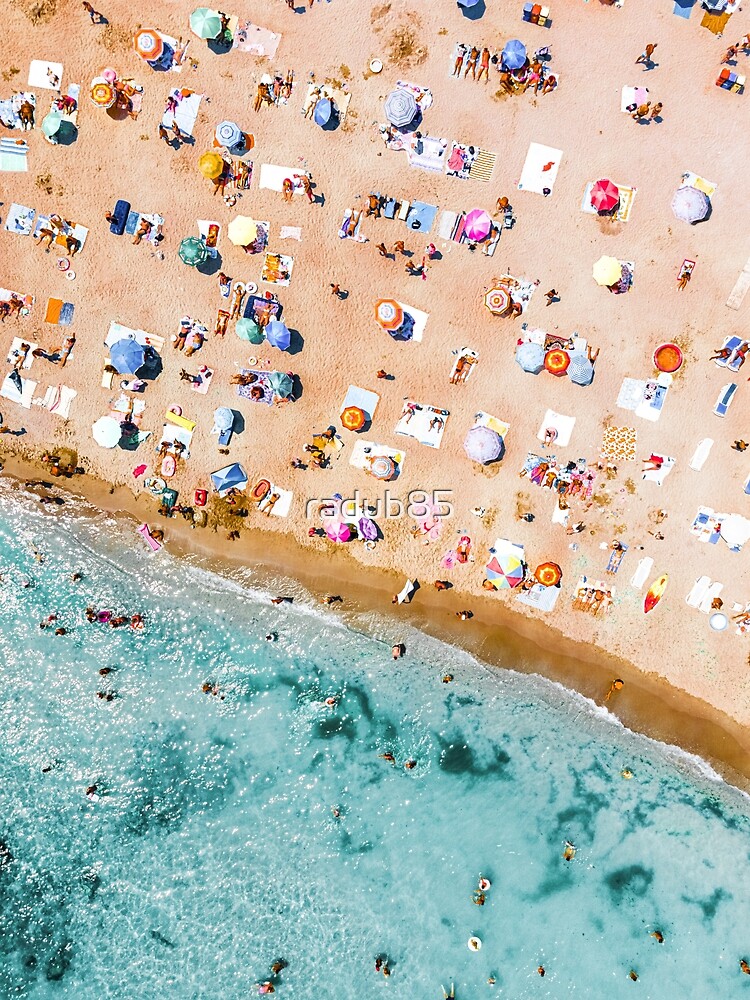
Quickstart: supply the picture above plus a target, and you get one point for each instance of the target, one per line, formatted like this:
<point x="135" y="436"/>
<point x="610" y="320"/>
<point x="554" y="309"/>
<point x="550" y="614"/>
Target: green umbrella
<point x="51" y="124"/>
<point x="281" y="383"/>
<point x="192" y="251"/>
<point x="248" y="329"/>
<point x="205" y="23"/>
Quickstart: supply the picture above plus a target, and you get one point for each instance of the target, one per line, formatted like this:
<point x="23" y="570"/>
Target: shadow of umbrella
<point x="152" y="366"/>
<point x="472" y="10"/>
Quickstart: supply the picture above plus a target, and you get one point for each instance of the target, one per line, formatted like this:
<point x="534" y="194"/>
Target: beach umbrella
<point x="483" y="445"/>
<point x="281" y="383"/>
<point x="530" y="357"/>
<point x="548" y="574"/>
<point x="389" y="314"/>
<point x="103" y="94"/>
<point x="323" y="112"/>
<point x="205" y="23"/>
<point x="556" y="361"/>
<point x="505" y="571"/>
<point x="230" y="477"/>
<point x="338" y="531"/>
<point x="248" y="329"/>
<point x="514" y="54"/>
<point x="106" y="432"/>
<point x="223" y="418"/>
<point x="607" y="271"/>
<point x="192" y="251"/>
<point x="211" y="165"/>
<point x="580" y="370"/>
<point x="498" y="300"/>
<point x="735" y="530"/>
<point x="278" y="335"/>
<point x="400" y="107"/>
<point x="148" y="45"/>
<point x="477" y="225"/>
<point x="605" y="195"/>
<point x="242" y="230"/>
<point x="468" y="3"/>
<point x="127" y="356"/>
<point x="690" y="204"/>
<point x="353" y="418"/>
<point x="229" y="134"/>
<point x="367" y="529"/>
<point x="51" y="123"/>
<point x="382" y="467"/>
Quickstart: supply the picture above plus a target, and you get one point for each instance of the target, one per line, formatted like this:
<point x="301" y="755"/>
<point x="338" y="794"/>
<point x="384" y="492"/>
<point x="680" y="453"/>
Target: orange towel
<point x="54" y="308"/>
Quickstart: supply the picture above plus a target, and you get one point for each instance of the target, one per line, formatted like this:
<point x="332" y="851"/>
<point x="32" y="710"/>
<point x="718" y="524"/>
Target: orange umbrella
<point x="148" y="45"/>
<point x="103" y="94"/>
<point x="353" y="418"/>
<point x="548" y="574"/>
<point x="389" y="314"/>
<point x="556" y="361"/>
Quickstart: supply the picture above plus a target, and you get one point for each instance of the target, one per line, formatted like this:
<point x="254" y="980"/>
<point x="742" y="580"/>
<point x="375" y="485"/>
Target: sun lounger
<point x="148" y="538"/>
<point x="701" y="453"/>
<point x="120" y="213"/>
<point x="403" y="210"/>
<point x="365" y="399"/>
<point x="642" y="573"/>
<point x="709" y="597"/>
<point x="389" y="208"/>
<point x="698" y="591"/>
<point x="739" y="291"/>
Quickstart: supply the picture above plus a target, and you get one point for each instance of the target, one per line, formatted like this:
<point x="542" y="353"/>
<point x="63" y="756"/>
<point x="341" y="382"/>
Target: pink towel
<point x="139" y="470"/>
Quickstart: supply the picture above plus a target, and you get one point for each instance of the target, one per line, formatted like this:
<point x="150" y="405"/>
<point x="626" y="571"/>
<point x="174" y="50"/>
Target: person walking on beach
<point x="656" y="111"/>
<point x="645" y="57"/>
<point x="163" y="134"/>
<point x="337" y="291"/>
<point x="96" y="17"/>
<point x="382" y="249"/>
<point x="740" y="445"/>
<point x="399" y="247"/>
<point x="551" y="296"/>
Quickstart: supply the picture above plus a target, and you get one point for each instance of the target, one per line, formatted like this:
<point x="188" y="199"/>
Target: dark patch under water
<point x="631" y="881"/>
<point x="459" y="758"/>
<point x="710" y="905"/>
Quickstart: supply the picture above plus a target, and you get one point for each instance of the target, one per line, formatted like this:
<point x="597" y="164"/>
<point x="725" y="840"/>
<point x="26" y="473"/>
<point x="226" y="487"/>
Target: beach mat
<point x="13" y="154"/>
<point x="534" y="176"/>
<point x="256" y="41"/>
<point x="483" y="165"/>
<point x="58" y="312"/>
<point x="740" y="289"/>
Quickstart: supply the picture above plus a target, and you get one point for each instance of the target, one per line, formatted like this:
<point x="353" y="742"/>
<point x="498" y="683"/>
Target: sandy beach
<point x="691" y="678"/>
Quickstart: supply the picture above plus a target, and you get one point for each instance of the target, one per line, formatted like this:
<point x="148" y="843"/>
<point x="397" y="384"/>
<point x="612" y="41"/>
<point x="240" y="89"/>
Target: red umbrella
<point x="605" y="195"/>
<point x="556" y="361"/>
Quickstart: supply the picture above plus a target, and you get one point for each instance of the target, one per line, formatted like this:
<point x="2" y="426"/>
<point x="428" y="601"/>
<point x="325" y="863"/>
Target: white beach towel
<point x="186" y="113"/>
<point x="365" y="399"/>
<point x="701" y="453"/>
<point x="282" y="506"/>
<point x="698" y="591"/>
<point x="57" y="400"/>
<point x="15" y="350"/>
<point x="290" y="233"/>
<point x="364" y="450"/>
<point x="254" y="40"/>
<point x="711" y="594"/>
<point x="659" y="475"/>
<point x="404" y="595"/>
<point x="562" y="424"/>
<point x="632" y="95"/>
<point x="9" y="391"/>
<point x="416" y="423"/>
<point x="642" y="573"/>
<point x="20" y="219"/>
<point x="38" y="74"/>
<point x="13" y="156"/>
<point x="272" y="177"/>
<point x="533" y="176"/>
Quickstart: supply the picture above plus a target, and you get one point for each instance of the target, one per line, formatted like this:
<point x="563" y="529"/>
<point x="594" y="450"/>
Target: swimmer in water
<point x="37" y="554"/>
<point x="61" y="631"/>
<point x="387" y="756"/>
<point x="136" y="621"/>
<point x="91" y="793"/>
<point x="271" y="637"/>
<point x="447" y="678"/>
<point x="627" y="773"/>
<point x="745" y="967"/>
<point x="451" y="995"/>
<point x="397" y="651"/>
<point x="570" y="851"/>
<point x="478" y="897"/>
<point x="541" y="970"/>
<point x="48" y="621"/>
<point x="330" y="702"/>
<point x="76" y="577"/>
<point x="410" y="765"/>
<point x="658" y="936"/>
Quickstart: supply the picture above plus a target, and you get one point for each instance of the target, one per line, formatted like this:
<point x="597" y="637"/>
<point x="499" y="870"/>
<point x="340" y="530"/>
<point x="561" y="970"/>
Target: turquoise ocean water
<point x="213" y="849"/>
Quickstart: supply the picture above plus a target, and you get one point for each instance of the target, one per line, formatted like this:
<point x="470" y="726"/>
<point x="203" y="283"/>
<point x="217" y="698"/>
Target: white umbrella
<point x="735" y="530"/>
<point x="106" y="432"/>
<point x="229" y="134"/>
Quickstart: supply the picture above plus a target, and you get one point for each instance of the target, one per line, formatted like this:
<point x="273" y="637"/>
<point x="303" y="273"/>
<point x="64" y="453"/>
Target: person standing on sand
<point x="551" y="296"/>
<point x="382" y="249"/>
<point x="399" y="247"/>
<point x="96" y="17"/>
<point x="656" y="111"/>
<point x="645" y="57"/>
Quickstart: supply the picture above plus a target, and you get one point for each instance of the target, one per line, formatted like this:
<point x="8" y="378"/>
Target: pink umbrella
<point x="477" y="225"/>
<point x="605" y="195"/>
<point x="337" y="531"/>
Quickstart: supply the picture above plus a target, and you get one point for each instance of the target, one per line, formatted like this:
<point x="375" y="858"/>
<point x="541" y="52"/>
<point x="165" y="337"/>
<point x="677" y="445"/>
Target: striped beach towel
<point x="13" y="155"/>
<point x="483" y="165"/>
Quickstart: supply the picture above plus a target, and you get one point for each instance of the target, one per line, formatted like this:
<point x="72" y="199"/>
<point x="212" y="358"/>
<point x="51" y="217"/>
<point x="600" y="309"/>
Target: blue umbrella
<point x="323" y="112"/>
<point x="278" y="335"/>
<point x="468" y="3"/>
<point x="530" y="357"/>
<point x="514" y="54"/>
<point x="230" y="477"/>
<point x="127" y="356"/>
<point x="223" y="418"/>
<point x="580" y="369"/>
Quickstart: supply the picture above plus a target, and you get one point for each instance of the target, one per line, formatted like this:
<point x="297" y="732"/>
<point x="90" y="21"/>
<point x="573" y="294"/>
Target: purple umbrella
<point x="477" y="225"/>
<point x="367" y="529"/>
<point x="483" y="445"/>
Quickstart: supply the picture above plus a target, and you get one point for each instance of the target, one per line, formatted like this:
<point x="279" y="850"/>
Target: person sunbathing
<point x="268" y="504"/>
<point x="143" y="229"/>
<point x="471" y="64"/>
<point x="287" y="189"/>
<point x="351" y="226"/>
<point x="738" y="354"/>
<point x="64" y="352"/>
<point x="243" y="378"/>
<point x="721" y="355"/>
<point x="311" y="101"/>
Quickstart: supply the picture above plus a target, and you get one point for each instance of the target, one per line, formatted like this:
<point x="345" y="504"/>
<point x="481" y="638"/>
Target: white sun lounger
<point x="642" y="573"/>
<point x="701" y="453"/>
<point x="699" y="591"/>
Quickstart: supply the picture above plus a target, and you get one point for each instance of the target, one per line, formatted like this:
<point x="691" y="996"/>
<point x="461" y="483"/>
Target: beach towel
<point x="540" y="169"/>
<point x="204" y="376"/>
<point x="426" y="153"/>
<point x="57" y="400"/>
<point x="364" y="451"/>
<point x="540" y="597"/>
<point x="466" y="361"/>
<point x="290" y="233"/>
<point x="419" y="321"/>
<point x="689" y="179"/>
<point x="738" y="293"/>
<point x="632" y="96"/>
<point x="20" y="219"/>
<point x="254" y="40"/>
<point x="500" y="427"/>
<point x="59" y="313"/>
<point x="447" y="225"/>
<point x="425" y="424"/>
<point x="272" y="177"/>
<point x="701" y="453"/>
<point x="659" y="475"/>
<point x="365" y="399"/>
<point x="10" y="391"/>
<point x="282" y="504"/>
<point x="654" y="395"/>
<point x="706" y="525"/>
<point x="642" y="573"/>
<point x="171" y="433"/>
<point x="421" y="217"/>
<point x="561" y="424"/>
<point x="28" y="300"/>
<point x="483" y="165"/>
<point x="74" y="229"/>
<point x="186" y="113"/>
<point x="615" y="559"/>
<point x="45" y="74"/>
<point x="619" y="443"/>
<point x="277" y="269"/>
<point x="262" y="383"/>
<point x="405" y="594"/>
<point x="13" y="156"/>
<point x="460" y="160"/>
<point x="15" y="350"/>
<point x="145" y="533"/>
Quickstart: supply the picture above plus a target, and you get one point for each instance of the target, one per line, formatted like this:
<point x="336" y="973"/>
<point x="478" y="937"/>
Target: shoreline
<point x="496" y="636"/>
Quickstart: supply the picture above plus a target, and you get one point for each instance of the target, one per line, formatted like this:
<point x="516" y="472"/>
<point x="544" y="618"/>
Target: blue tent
<point x="278" y="335"/>
<point x="323" y="112"/>
<point x="230" y="477"/>
<point x="514" y="54"/>
<point x="127" y="356"/>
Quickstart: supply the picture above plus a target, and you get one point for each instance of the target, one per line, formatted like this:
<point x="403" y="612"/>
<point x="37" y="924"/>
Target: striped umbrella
<point x="505" y="571"/>
<point x="498" y="300"/>
<point x="548" y="574"/>
<point x="192" y="251"/>
<point x="581" y="370"/>
<point x="389" y="314"/>
<point x="556" y="361"/>
<point x="382" y="467"/>
<point x="477" y="225"/>
<point x="148" y="45"/>
<point x="605" y="195"/>
<point x="103" y="94"/>
<point x="229" y="134"/>
<point x="353" y="418"/>
<point x="400" y="107"/>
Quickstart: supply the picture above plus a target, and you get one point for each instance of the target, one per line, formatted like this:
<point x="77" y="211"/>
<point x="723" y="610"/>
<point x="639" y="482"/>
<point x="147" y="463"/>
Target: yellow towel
<point x="188" y="425"/>
<point x="704" y="186"/>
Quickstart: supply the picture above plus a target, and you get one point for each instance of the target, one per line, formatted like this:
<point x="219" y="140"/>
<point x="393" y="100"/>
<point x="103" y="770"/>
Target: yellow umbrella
<point x="242" y="231"/>
<point x="211" y="165"/>
<point x="607" y="271"/>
